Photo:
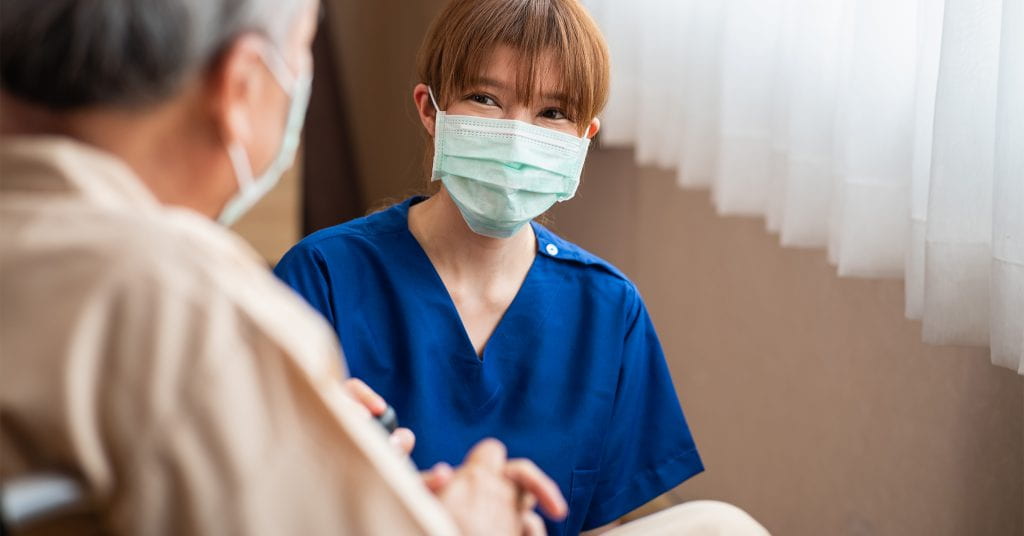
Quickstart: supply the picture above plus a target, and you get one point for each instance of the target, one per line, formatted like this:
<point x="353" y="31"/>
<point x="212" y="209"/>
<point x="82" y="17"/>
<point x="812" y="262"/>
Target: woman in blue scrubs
<point x="475" y="321"/>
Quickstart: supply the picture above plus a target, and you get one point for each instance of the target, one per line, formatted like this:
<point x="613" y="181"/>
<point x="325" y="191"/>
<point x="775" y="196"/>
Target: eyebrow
<point x="495" y="84"/>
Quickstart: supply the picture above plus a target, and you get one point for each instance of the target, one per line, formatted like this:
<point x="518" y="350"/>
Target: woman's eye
<point x="483" y="99"/>
<point x="553" y="113"/>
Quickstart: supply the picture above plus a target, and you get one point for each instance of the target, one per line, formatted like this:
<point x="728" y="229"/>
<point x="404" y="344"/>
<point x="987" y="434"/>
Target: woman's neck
<point x="462" y="255"/>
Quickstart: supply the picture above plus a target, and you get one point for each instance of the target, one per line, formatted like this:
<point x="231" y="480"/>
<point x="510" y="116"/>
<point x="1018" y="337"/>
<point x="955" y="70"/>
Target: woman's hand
<point x="402" y="438"/>
<point x="490" y="494"/>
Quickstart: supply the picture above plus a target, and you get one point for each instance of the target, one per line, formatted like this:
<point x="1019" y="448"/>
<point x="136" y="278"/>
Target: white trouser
<point x="695" y="518"/>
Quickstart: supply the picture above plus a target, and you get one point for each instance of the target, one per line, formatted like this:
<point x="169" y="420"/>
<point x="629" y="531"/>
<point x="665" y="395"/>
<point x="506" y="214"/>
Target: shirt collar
<point x="39" y="165"/>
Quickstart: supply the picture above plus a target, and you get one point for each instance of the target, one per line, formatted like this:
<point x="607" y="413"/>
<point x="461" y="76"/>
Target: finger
<point x="529" y="477"/>
<point x="533" y="525"/>
<point x="489" y="453"/>
<point x="366" y="396"/>
<point x="438" y="477"/>
<point x="527" y="501"/>
<point x="404" y="439"/>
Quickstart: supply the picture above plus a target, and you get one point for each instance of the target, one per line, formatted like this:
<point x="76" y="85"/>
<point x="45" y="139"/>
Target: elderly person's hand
<point x="402" y="438"/>
<point x="490" y="494"/>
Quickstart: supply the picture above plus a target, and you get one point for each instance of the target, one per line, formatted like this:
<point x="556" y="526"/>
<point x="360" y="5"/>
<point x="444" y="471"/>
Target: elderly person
<point x="147" y="352"/>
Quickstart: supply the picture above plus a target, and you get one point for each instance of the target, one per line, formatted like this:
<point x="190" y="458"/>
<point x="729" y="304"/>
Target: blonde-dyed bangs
<point x="465" y="35"/>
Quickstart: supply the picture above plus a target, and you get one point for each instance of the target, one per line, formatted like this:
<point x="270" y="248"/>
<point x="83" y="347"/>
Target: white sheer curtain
<point x="890" y="132"/>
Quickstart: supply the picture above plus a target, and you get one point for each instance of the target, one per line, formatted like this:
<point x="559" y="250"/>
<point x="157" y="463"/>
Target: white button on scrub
<point x="552" y="249"/>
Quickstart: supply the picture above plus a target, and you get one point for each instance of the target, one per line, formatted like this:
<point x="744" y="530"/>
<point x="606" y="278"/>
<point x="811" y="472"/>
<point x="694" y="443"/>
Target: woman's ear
<point x="425" y="107"/>
<point x="593" y="129"/>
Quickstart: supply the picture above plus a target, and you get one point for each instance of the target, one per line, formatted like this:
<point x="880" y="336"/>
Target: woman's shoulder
<point x="585" y="265"/>
<point x="348" y="242"/>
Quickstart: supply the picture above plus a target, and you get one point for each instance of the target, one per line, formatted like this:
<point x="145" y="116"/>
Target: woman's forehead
<point x="502" y="69"/>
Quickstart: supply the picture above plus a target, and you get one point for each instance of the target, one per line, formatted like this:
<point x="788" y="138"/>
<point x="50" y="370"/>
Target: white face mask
<point x="503" y="173"/>
<point x="250" y="189"/>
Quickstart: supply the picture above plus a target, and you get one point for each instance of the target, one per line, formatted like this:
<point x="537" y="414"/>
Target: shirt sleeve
<point x="304" y="269"/>
<point x="224" y="419"/>
<point x="649" y="448"/>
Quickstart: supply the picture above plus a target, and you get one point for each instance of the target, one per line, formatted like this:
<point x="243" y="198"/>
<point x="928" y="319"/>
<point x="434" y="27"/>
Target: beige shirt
<point x="150" y="354"/>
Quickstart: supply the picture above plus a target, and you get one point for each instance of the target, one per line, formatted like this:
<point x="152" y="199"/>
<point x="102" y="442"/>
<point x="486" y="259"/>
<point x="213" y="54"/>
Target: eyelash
<point x="477" y="97"/>
<point x="557" y="111"/>
<point x="482" y="99"/>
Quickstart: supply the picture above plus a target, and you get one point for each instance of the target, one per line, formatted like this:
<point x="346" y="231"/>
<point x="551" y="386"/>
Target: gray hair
<point x="70" y="54"/>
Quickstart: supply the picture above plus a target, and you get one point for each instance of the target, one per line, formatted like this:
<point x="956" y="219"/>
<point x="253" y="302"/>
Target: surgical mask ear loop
<point x="278" y="67"/>
<point x="239" y="156"/>
<point x="430" y="91"/>
<point x="250" y="188"/>
<point x="240" y="159"/>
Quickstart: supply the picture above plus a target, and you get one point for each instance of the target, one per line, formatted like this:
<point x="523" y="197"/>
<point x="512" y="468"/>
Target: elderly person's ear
<point x="236" y="87"/>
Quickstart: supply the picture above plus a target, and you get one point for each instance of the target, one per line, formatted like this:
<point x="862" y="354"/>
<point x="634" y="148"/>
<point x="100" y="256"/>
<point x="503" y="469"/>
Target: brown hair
<point x="466" y="33"/>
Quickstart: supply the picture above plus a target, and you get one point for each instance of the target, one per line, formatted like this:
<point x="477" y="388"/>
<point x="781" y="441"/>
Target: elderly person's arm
<point x="238" y="425"/>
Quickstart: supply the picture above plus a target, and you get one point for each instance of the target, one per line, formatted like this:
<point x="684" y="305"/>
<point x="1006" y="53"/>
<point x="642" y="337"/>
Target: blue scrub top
<point x="573" y="377"/>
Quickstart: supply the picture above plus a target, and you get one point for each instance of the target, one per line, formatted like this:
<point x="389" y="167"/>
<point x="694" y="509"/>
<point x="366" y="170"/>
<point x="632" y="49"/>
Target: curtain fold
<point x="958" y="240"/>
<point x="888" y="131"/>
<point x="1007" y="283"/>
<point x="929" y="43"/>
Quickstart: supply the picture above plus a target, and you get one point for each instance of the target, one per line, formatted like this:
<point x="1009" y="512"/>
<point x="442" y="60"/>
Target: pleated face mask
<point x="503" y="173"/>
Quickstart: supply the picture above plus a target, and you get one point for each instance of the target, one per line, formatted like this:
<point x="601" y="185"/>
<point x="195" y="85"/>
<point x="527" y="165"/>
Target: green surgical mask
<point x="503" y="173"/>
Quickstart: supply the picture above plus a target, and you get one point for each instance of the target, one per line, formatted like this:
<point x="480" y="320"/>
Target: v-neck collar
<point x="466" y="350"/>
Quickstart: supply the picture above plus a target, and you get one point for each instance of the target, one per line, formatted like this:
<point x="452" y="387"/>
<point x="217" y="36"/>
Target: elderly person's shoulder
<point x="73" y="204"/>
<point x="80" y="219"/>
<point x="186" y="256"/>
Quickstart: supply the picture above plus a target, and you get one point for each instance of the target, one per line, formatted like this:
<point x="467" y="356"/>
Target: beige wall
<point x="813" y="401"/>
<point x="273" y="225"/>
